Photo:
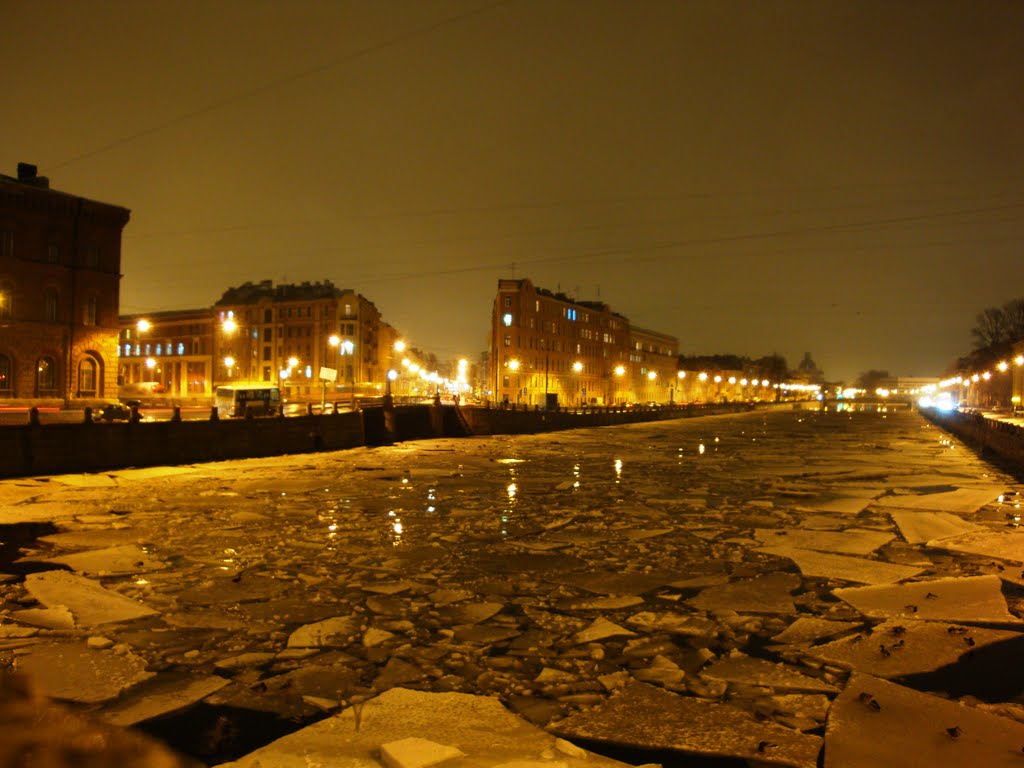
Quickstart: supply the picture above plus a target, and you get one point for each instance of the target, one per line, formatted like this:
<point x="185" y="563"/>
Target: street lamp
<point x="229" y="363"/>
<point x="578" y="368"/>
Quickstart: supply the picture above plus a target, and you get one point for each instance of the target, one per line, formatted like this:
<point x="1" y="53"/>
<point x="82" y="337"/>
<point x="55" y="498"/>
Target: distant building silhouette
<point x="60" y="273"/>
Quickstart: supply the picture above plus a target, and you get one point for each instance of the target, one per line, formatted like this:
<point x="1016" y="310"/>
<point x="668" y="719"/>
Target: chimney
<point x="29" y="174"/>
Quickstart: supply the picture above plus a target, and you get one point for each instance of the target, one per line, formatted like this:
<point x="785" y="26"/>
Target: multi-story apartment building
<point x="654" y="363"/>
<point x="293" y="335"/>
<point x="288" y="333"/>
<point x="60" y="273"/>
<point x="547" y="347"/>
<point x="168" y="354"/>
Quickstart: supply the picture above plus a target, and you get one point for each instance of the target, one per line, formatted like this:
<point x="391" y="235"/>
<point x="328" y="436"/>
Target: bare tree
<point x="991" y="328"/>
<point x="1013" y="311"/>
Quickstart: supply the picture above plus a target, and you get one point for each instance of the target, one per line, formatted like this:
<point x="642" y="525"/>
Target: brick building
<point x="546" y="345"/>
<point x="60" y="273"/>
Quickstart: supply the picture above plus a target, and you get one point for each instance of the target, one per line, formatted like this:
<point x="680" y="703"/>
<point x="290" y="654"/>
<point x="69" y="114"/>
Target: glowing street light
<point x="229" y="325"/>
<point x="143" y="325"/>
<point x="399" y="346"/>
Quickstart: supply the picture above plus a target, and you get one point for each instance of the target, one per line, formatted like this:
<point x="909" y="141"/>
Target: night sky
<point x="839" y="178"/>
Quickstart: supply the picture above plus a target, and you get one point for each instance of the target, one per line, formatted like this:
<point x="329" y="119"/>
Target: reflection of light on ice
<point x="618" y="469"/>
<point x="511" y="491"/>
<point x="700" y="449"/>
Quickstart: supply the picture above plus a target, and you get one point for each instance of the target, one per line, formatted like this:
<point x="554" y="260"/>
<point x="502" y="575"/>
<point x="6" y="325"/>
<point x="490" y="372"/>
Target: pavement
<point x="778" y="588"/>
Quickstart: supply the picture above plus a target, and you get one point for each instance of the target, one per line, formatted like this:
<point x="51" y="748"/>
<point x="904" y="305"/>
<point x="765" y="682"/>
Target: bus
<point x="240" y="400"/>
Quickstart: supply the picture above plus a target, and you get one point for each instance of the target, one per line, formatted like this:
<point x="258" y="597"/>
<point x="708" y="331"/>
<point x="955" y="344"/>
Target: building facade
<point x="298" y="336"/>
<point x="168" y="354"/>
<point x="60" y="274"/>
<point x="546" y="347"/>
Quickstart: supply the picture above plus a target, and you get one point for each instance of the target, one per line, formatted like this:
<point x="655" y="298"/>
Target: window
<point x="268" y="334"/>
<point x="6" y="375"/>
<point x="46" y="377"/>
<point x="87" y="378"/>
<point x="266" y="355"/>
<point x="507" y="319"/>
<point x="92" y="257"/>
<point x="508" y="302"/>
<point x="7" y="243"/>
<point x="181" y="348"/>
<point x="508" y="340"/>
<point x="53" y="253"/>
<point x="505" y="382"/>
<point x="90" y="313"/>
<point x="268" y="316"/>
<point x="6" y="303"/>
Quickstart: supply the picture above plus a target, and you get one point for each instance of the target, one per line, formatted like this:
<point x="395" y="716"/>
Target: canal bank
<point x="36" y="448"/>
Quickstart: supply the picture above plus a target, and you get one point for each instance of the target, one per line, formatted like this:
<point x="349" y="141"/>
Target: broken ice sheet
<point x="688" y="625"/>
<point x="877" y="723"/>
<point x="898" y="648"/>
<point x="619" y="583"/>
<point x="921" y="527"/>
<point x="601" y="629"/>
<point x="165" y="697"/>
<point x="747" y="670"/>
<point x="970" y="599"/>
<point x="645" y="717"/>
<point x="768" y="593"/>
<point x="87" y="600"/>
<point x="75" y="672"/>
<point x="1004" y="545"/>
<point x="851" y="541"/>
<point x="962" y="500"/>
<point x="456" y="720"/>
<point x="110" y="561"/>
<point x="808" y="629"/>
<point x="336" y="632"/>
<point x="841" y="567"/>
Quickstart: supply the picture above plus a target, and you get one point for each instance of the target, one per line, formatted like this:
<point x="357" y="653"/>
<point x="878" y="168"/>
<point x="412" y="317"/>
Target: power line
<point x="274" y="84"/>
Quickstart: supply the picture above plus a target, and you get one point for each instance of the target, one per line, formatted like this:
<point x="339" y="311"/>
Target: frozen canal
<point x="738" y="589"/>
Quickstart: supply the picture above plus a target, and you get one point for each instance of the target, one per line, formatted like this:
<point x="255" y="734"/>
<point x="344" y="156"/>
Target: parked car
<point x="121" y="411"/>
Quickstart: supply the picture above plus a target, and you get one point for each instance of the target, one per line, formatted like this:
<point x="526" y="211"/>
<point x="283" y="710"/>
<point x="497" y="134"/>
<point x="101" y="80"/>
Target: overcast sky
<point x="839" y="178"/>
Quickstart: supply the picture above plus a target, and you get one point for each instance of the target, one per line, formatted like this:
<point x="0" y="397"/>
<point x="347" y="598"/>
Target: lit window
<point x="508" y="340"/>
<point x="507" y="319"/>
<point x="181" y="348"/>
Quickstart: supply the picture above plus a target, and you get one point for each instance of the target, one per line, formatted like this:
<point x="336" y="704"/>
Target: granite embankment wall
<point x="50" y="449"/>
<point x="998" y="441"/>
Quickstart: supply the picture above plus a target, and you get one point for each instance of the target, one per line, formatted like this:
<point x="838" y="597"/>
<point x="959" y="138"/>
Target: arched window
<point x="46" y="377"/>
<point x="87" y="378"/>
<point x="6" y="376"/>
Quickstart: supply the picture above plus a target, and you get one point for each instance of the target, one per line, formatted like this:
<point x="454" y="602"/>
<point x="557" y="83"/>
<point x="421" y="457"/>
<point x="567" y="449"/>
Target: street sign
<point x="328" y="374"/>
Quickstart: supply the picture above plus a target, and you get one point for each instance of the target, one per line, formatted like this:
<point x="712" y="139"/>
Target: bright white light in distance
<point x="392" y="374"/>
<point x="150" y="362"/>
<point x="229" y="362"/>
<point x="143" y="325"/>
<point x="620" y="370"/>
<point x="229" y="326"/>
<point x="577" y="366"/>
<point x="399" y="346"/>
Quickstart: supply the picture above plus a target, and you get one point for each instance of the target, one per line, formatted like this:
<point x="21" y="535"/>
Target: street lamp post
<point x="326" y="371"/>
<point x="348" y="348"/>
<point x="578" y="368"/>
